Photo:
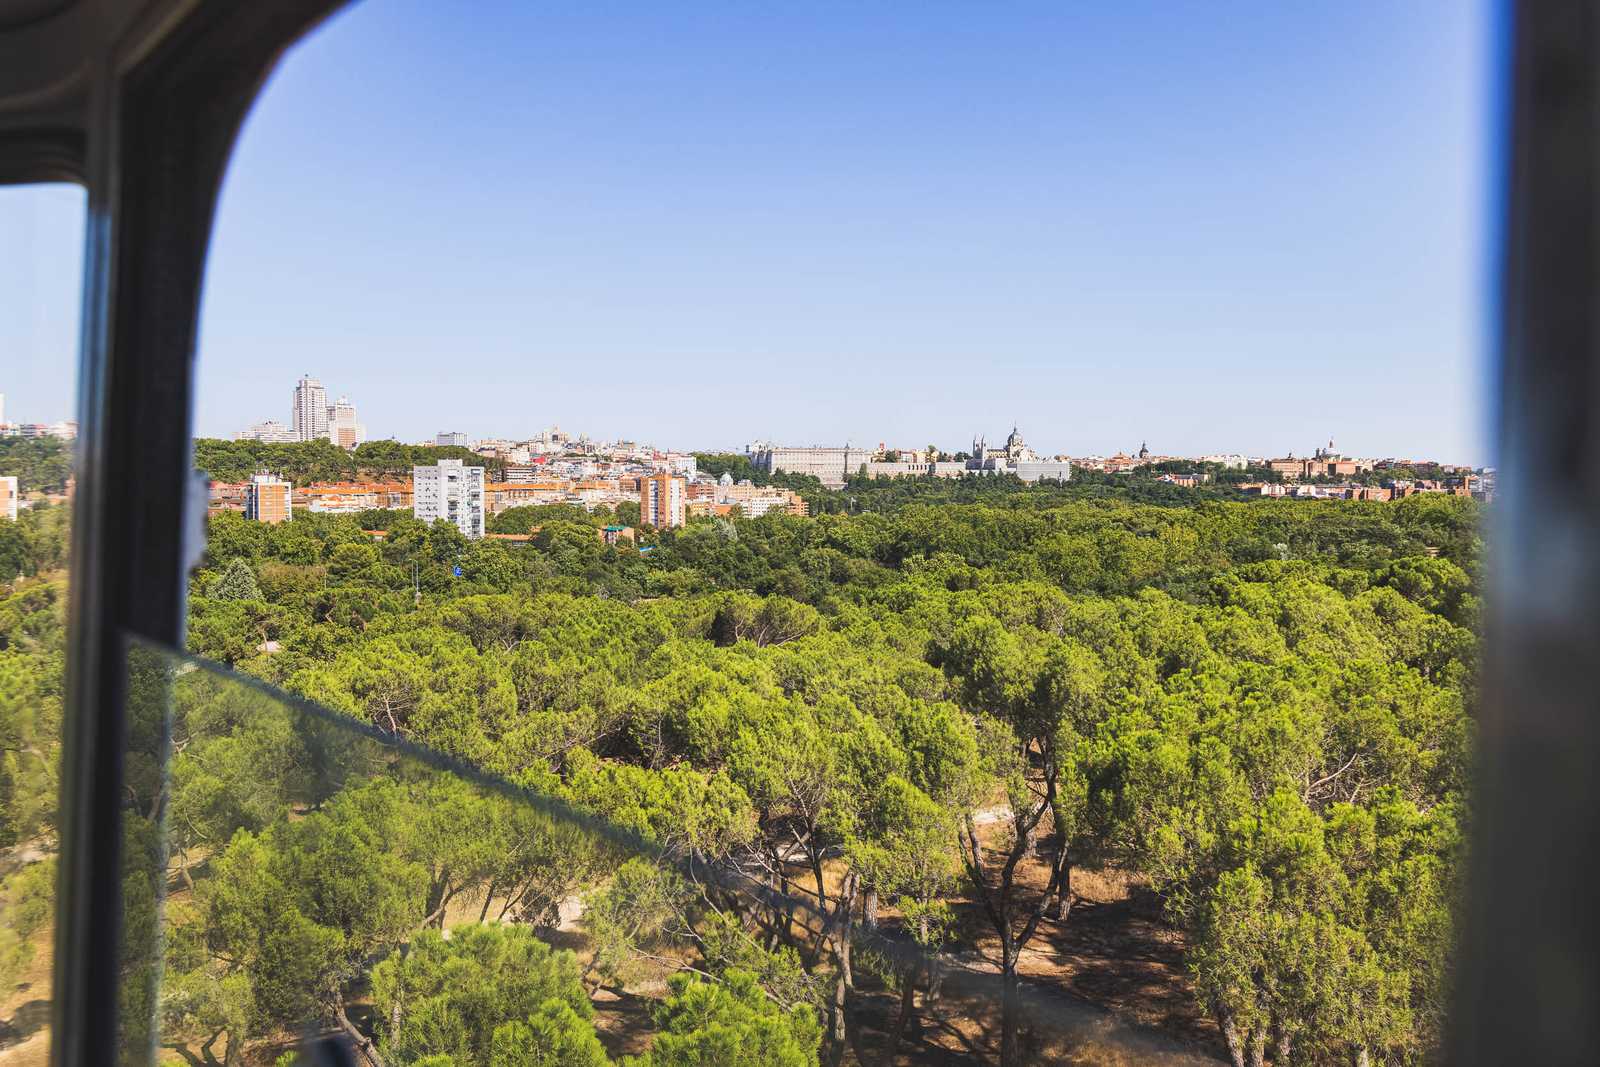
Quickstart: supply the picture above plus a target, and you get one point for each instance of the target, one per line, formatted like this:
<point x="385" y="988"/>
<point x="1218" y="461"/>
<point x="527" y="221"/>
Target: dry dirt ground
<point x="1105" y="987"/>
<point x="25" y="1009"/>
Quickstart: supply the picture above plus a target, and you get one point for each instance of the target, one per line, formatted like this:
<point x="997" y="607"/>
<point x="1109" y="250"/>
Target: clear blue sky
<point x="1214" y="226"/>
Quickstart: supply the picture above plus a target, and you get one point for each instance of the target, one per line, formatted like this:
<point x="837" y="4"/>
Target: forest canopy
<point x="925" y="718"/>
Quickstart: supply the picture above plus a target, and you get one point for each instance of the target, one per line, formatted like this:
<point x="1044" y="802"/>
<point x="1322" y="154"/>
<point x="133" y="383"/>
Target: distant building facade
<point x="64" y="430"/>
<point x="352" y="498"/>
<point x="310" y="410"/>
<point x="452" y="491"/>
<point x="830" y="466"/>
<point x="268" y="499"/>
<point x="661" y="500"/>
<point x="1015" y="457"/>
<point x="1323" y="463"/>
<point x="343" y="429"/>
<point x="753" y="501"/>
<point x="8" y="497"/>
<point x="270" y="432"/>
<point x="450" y="439"/>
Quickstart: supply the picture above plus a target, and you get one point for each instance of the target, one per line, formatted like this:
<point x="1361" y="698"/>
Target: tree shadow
<point x="30" y="1017"/>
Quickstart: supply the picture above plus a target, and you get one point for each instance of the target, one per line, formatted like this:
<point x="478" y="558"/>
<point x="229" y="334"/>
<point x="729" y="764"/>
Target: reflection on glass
<point x="297" y="876"/>
<point x="301" y="855"/>
<point x="41" y="234"/>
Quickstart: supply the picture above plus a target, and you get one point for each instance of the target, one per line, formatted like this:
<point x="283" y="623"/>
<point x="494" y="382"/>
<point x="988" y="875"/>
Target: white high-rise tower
<point x="309" y="415"/>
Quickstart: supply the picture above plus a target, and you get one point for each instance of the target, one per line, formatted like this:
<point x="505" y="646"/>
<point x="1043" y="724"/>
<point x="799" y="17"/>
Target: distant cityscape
<point x="63" y="429"/>
<point x="556" y="467"/>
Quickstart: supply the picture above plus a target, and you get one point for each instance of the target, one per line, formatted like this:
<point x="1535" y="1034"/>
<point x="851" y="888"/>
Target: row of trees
<point x="38" y="463"/>
<point x="305" y="462"/>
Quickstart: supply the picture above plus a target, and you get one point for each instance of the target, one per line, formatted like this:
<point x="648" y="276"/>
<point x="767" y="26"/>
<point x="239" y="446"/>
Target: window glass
<point x="989" y="500"/>
<point x="41" y="234"/>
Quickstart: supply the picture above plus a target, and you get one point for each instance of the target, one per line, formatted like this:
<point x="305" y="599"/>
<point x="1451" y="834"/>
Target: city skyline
<point x="470" y="438"/>
<point x="691" y="235"/>
<point x="304" y="426"/>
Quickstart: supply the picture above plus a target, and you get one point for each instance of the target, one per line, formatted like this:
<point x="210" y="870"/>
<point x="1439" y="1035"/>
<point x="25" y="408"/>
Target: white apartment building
<point x="452" y="491"/>
<point x="682" y="464"/>
<point x="270" y="432"/>
<point x="451" y="439"/>
<point x="8" y="497"/>
<point x="757" y="506"/>
<point x="309" y="415"/>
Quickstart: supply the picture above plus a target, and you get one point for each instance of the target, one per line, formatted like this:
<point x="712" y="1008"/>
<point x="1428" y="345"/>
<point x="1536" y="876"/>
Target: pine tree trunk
<point x="205" y="1048"/>
<point x="434" y="909"/>
<point x="841" y="921"/>
<point x="1010" y="1018"/>
<point x="1258" y="1047"/>
<point x="1363" y="1057"/>
<point x="908" y="1003"/>
<point x="1280" y="1055"/>
<point x="847" y="922"/>
<point x="869" y="907"/>
<point x="362" y="1042"/>
<point x="837" y="1035"/>
<point x="1230" y="1036"/>
<point x="1064" y="900"/>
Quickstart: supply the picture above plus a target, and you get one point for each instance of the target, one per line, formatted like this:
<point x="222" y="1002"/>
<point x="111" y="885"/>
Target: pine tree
<point x="236" y="582"/>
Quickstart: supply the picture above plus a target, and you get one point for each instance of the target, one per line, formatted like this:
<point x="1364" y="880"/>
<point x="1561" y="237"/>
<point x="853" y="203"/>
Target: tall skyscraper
<point x="310" y="413"/>
<point x="661" y="500"/>
<point x="343" y="429"/>
<point x="267" y="499"/>
<point x="452" y="491"/>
